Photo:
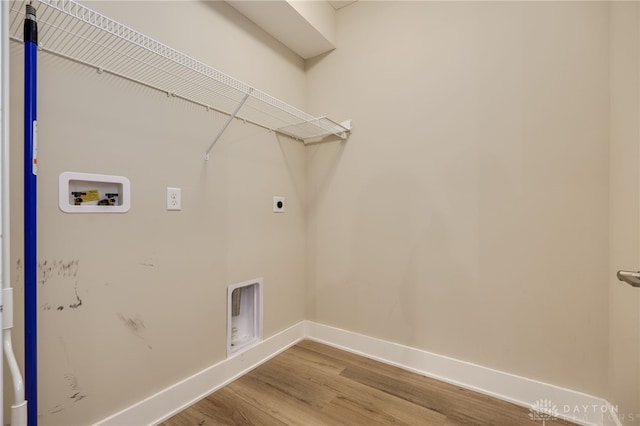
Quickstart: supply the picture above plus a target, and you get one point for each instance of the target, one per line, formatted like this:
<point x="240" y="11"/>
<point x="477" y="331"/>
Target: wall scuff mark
<point x="57" y="268"/>
<point x="70" y="391"/>
<point x="60" y="280"/>
<point x="73" y="384"/>
<point x="56" y="409"/>
<point x="18" y="281"/>
<point x="78" y="300"/>
<point x="135" y="325"/>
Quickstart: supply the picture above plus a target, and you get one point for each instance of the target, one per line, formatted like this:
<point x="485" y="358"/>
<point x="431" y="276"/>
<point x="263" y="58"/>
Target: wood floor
<point x="314" y="384"/>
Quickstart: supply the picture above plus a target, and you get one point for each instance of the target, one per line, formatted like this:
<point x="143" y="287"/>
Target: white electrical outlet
<point x="278" y="204"/>
<point x="173" y="199"/>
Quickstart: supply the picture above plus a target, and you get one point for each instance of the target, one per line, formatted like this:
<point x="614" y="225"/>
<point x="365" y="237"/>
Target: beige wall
<point x="624" y="325"/>
<point x="153" y="283"/>
<point x="467" y="215"/>
<point x="468" y="212"/>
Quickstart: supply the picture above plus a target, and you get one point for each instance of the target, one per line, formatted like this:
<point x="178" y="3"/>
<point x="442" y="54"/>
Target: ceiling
<point x="307" y="28"/>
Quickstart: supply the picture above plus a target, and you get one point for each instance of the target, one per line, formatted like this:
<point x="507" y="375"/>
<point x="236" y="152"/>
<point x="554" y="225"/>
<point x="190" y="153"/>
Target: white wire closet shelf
<point x="76" y="32"/>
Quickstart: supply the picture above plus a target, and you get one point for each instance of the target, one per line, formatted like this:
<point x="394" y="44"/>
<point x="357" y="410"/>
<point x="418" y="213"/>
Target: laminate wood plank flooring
<point x="313" y="384"/>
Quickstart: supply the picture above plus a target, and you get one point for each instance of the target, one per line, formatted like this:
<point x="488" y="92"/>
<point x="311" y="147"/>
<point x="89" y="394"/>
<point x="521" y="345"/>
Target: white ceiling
<point x="286" y="24"/>
<point x="291" y="25"/>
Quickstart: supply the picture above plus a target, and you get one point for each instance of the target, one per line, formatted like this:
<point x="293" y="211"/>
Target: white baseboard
<point x="575" y="406"/>
<point x="170" y="401"/>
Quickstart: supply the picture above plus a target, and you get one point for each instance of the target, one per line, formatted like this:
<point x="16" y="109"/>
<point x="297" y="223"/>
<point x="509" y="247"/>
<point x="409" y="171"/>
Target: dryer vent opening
<point x="244" y="315"/>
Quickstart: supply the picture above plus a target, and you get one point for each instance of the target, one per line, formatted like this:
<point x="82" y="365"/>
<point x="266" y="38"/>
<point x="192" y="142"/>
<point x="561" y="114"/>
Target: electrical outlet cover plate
<point x="278" y="204"/>
<point x="174" y="201"/>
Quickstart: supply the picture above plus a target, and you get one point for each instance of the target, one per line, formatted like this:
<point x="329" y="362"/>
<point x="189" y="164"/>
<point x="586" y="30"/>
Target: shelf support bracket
<point x="229" y="120"/>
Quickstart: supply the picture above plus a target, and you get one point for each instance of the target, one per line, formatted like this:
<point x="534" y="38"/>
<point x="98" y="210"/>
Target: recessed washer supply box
<point x="92" y="193"/>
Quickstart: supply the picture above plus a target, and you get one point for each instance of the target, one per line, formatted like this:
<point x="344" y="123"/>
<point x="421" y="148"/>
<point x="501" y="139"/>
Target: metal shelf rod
<point x="229" y="120"/>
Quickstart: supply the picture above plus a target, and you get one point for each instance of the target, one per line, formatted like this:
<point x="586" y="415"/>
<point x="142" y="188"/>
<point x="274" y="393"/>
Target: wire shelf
<point x="74" y="31"/>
